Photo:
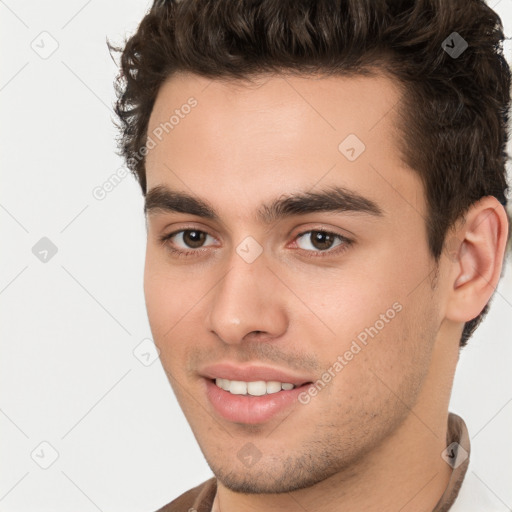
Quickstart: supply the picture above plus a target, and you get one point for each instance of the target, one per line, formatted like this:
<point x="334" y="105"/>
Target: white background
<point x="68" y="373"/>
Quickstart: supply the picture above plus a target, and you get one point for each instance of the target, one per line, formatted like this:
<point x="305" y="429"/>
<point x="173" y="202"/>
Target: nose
<point x="248" y="299"/>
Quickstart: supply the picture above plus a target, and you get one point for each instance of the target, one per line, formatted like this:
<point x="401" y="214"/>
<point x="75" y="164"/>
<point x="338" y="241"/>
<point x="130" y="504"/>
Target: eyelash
<point x="346" y="243"/>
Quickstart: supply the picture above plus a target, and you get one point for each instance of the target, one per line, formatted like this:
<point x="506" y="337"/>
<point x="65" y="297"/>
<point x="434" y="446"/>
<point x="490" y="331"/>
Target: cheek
<point x="379" y="328"/>
<point x="165" y="301"/>
<point x="350" y="302"/>
<point x="160" y="299"/>
<point x="167" y="290"/>
<point x="379" y="374"/>
<point x="391" y="276"/>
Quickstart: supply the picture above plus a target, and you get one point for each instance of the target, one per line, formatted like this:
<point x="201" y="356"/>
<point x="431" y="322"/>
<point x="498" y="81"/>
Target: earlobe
<point x="476" y="265"/>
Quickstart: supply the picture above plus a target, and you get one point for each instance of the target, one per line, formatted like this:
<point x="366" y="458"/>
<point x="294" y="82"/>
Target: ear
<point x="477" y="250"/>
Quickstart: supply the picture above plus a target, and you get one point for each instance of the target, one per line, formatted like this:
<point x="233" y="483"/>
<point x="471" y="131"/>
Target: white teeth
<point x="273" y="387"/>
<point x="238" y="387"/>
<point x="255" y="388"/>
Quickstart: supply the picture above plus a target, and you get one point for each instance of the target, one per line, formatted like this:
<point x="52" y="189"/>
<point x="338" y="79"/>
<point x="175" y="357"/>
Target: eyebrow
<point x="332" y="199"/>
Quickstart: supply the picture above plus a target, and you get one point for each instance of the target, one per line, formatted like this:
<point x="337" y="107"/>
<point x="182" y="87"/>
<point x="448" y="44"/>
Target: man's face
<point x="264" y="294"/>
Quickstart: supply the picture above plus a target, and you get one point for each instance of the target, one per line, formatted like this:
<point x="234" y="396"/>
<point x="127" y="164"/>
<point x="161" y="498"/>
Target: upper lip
<point x="251" y="373"/>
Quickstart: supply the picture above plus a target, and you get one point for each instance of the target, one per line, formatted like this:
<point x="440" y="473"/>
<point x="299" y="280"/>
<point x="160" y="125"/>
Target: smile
<point x="254" y="388"/>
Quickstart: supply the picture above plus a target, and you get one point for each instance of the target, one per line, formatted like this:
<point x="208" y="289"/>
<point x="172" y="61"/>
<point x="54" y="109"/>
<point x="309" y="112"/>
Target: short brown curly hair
<point x="454" y="114"/>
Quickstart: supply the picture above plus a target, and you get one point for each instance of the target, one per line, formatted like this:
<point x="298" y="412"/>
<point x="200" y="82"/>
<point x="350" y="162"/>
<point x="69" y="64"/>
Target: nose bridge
<point x="245" y="299"/>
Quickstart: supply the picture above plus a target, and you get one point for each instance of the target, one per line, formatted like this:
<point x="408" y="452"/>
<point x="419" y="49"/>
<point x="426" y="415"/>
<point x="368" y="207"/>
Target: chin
<point x="291" y="476"/>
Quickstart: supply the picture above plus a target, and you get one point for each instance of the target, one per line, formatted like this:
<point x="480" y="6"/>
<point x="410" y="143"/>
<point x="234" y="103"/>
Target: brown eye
<point x="194" y="239"/>
<point x="185" y="239"/>
<point x="320" y="240"/>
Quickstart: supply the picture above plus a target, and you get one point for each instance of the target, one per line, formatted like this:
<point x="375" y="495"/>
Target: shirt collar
<point x="457" y="456"/>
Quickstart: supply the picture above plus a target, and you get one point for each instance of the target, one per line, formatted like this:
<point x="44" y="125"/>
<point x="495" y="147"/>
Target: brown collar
<point x="457" y="456"/>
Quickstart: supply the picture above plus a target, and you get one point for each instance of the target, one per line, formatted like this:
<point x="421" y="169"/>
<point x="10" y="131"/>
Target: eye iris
<point x="317" y="236"/>
<point x="320" y="239"/>
<point x="194" y="239"/>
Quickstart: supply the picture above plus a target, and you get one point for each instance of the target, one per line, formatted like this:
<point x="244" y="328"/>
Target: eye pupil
<point x="193" y="238"/>
<point x="318" y="236"/>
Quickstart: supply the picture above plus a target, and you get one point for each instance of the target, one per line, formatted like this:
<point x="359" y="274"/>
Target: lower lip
<point x="251" y="409"/>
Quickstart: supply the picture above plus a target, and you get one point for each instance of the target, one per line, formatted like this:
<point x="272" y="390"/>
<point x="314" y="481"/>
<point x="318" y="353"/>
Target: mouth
<point x="245" y="402"/>
<point x="254" y="388"/>
<point x="251" y="393"/>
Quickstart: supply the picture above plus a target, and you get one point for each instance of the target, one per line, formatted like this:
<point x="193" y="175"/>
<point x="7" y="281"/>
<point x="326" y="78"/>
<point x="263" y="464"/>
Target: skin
<point x="372" y="438"/>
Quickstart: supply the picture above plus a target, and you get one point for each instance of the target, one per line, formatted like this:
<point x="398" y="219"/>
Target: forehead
<point x="336" y="104"/>
<point x="279" y="133"/>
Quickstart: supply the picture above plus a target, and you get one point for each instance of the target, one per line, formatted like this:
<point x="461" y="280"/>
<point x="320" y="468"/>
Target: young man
<point x="325" y="189"/>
